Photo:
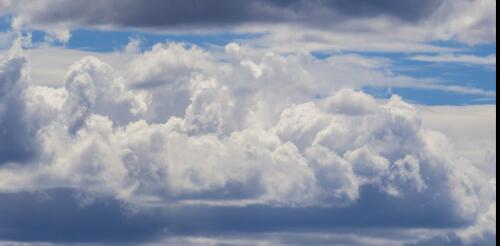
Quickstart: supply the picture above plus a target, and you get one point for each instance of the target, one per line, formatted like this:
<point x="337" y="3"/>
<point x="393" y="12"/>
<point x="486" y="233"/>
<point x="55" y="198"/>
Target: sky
<point x="223" y="122"/>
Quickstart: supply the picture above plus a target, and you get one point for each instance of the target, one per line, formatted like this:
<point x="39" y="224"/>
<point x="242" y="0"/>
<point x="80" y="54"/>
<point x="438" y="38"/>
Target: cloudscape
<point x="248" y="122"/>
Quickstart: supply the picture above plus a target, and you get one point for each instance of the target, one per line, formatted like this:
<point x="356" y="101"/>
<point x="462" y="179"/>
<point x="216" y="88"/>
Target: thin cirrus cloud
<point x="490" y="60"/>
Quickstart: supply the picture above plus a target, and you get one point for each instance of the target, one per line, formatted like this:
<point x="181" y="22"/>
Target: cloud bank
<point x="207" y="13"/>
<point x="408" y="23"/>
<point x="181" y="136"/>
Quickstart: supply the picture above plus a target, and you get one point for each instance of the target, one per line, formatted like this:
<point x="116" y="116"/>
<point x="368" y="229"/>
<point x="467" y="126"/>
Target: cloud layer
<point x="401" y="23"/>
<point x="208" y="13"/>
<point x="184" y="135"/>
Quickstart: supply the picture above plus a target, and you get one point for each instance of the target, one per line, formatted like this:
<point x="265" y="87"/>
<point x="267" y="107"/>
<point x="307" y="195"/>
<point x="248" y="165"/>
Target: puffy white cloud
<point x="367" y="164"/>
<point x="172" y="62"/>
<point x="92" y="86"/>
<point x="349" y="102"/>
<point x="190" y="129"/>
<point x="211" y="107"/>
<point x="334" y="176"/>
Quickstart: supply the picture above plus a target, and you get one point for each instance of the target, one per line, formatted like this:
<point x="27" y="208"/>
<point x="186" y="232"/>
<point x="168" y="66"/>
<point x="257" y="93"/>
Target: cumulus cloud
<point x="93" y="87"/>
<point x="194" y="135"/>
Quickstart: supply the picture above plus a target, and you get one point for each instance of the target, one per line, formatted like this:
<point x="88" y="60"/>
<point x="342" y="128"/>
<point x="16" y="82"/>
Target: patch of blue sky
<point x="429" y="96"/>
<point x="37" y="37"/>
<point x="445" y="73"/>
<point x="5" y="23"/>
<point x="478" y="49"/>
<point x="109" y="41"/>
<point x="482" y="77"/>
<point x="321" y="55"/>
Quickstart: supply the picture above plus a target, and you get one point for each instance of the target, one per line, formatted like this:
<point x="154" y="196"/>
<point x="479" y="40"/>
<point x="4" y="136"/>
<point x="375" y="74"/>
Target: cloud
<point x="490" y="60"/>
<point x="401" y="25"/>
<point x="210" y="13"/>
<point x="93" y="87"/>
<point x="108" y="221"/>
<point x="4" y="6"/>
<point x="17" y="143"/>
<point x="236" y="143"/>
<point x="479" y="117"/>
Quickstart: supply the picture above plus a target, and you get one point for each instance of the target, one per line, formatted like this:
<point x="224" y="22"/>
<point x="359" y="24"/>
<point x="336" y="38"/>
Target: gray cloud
<point x="411" y="10"/>
<point x="383" y="22"/>
<point x="16" y="133"/>
<point x="46" y="216"/>
<point x="109" y="220"/>
<point x="216" y="13"/>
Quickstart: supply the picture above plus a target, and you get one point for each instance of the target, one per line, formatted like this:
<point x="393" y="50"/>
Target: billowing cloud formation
<point x="408" y="21"/>
<point x="188" y="131"/>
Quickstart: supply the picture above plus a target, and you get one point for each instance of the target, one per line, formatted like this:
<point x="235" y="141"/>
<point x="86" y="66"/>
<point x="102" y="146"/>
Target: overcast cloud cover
<point x="258" y="141"/>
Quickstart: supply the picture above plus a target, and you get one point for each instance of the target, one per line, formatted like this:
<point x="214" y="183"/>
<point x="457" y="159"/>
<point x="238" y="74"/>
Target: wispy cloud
<point x="490" y="60"/>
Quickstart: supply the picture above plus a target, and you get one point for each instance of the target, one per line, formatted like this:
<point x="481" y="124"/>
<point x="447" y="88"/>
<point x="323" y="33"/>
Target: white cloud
<point x="48" y="65"/>
<point x="171" y="62"/>
<point x="349" y="102"/>
<point x="478" y="145"/>
<point x="193" y="129"/>
<point x="92" y="86"/>
<point x="490" y="60"/>
<point x="58" y="35"/>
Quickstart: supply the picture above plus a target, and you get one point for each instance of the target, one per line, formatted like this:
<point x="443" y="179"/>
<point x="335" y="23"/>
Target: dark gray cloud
<point x="409" y="10"/>
<point x="58" y="216"/>
<point x="216" y="13"/>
